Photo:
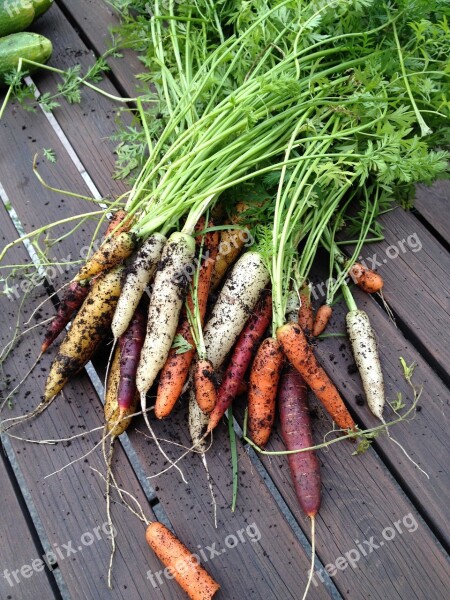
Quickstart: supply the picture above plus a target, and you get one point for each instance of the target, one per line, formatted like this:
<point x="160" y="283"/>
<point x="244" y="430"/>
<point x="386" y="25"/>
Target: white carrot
<point x="167" y="298"/>
<point x="365" y="350"/>
<point x="234" y="305"/>
<point x="137" y="279"/>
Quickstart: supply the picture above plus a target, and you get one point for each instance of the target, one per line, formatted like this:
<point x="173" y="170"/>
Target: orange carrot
<point x="119" y="218"/>
<point x="366" y="279"/>
<point x="264" y="377"/>
<point x="205" y="385"/>
<point x="300" y="354"/>
<point x="175" y="372"/>
<point x="183" y="565"/>
<point x="323" y="315"/>
<point x="232" y="241"/>
<point x="305" y="313"/>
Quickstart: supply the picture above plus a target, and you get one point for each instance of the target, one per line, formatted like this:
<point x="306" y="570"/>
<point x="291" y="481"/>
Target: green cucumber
<point x="15" y="16"/>
<point x="41" y="6"/>
<point x="31" y="46"/>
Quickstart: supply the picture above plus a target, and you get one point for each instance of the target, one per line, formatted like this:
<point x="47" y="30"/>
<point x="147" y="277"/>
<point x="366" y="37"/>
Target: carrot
<point x="130" y="344"/>
<point x="166" y="301"/>
<point x="365" y="351"/>
<point x="119" y="223"/>
<point x="236" y="301"/>
<point x="323" y="315"/>
<point x="295" y="427"/>
<point x="300" y="354"/>
<point x="205" y="385"/>
<point x="232" y="241"/>
<point x="264" y="377"/>
<point x="117" y="417"/>
<point x="176" y="368"/>
<point x="137" y="277"/>
<point x="89" y="327"/>
<point x="366" y="279"/>
<point x="182" y="564"/>
<point x="305" y="313"/>
<point x="241" y="358"/>
<point x="112" y="251"/>
<point x="71" y="301"/>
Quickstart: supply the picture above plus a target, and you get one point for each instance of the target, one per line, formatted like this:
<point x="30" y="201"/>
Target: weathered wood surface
<point x="362" y="495"/>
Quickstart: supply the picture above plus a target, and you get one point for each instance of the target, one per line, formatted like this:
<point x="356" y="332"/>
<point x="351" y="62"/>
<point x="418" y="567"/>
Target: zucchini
<point x="15" y="16"/>
<point x="23" y="45"/>
<point x="41" y="6"/>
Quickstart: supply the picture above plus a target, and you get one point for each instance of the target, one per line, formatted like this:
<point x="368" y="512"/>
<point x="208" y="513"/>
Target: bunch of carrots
<point x="202" y="276"/>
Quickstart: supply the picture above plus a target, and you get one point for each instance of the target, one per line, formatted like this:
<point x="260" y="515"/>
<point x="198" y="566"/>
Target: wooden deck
<point x="379" y="501"/>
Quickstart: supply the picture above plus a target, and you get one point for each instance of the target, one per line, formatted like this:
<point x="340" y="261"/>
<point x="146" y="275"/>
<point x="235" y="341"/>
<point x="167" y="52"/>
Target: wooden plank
<point x="272" y="565"/>
<point x="89" y="124"/>
<point x="24" y="574"/>
<point x="427" y="450"/>
<point x="71" y="503"/>
<point x="360" y="496"/>
<point x="433" y="203"/>
<point x="95" y="18"/>
<point x="415" y="270"/>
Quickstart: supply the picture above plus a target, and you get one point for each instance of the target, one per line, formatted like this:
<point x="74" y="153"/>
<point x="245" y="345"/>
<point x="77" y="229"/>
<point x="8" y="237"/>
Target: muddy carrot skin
<point x="305" y="313"/>
<point x="366" y="279"/>
<point x="73" y="298"/>
<point x="120" y="222"/>
<point x="264" y="377"/>
<point x="175" y="371"/>
<point x="300" y="354"/>
<point x="241" y="358"/>
<point x="205" y="385"/>
<point x="188" y="573"/>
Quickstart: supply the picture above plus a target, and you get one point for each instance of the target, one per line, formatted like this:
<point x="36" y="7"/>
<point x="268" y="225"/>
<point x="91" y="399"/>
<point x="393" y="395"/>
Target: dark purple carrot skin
<point x="295" y="425"/>
<point x="70" y="303"/>
<point x="241" y="358"/>
<point x="130" y="344"/>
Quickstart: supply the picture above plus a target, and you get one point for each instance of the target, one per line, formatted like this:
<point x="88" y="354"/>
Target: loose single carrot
<point x="305" y="313"/>
<point x="130" y="344"/>
<point x="323" y="316"/>
<point x="366" y="279"/>
<point x="205" y="385"/>
<point x="112" y="251"/>
<point x="73" y="298"/>
<point x="264" y="377"/>
<point x="232" y="242"/>
<point x="176" y="368"/>
<point x="295" y="427"/>
<point x="89" y="327"/>
<point x="117" y="418"/>
<point x="183" y="565"/>
<point x="241" y="358"/>
<point x="300" y="354"/>
<point x="120" y="222"/>
<point x="365" y="350"/>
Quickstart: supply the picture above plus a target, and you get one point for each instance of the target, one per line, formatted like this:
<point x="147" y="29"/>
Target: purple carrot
<point x="130" y="344"/>
<point x="72" y="300"/>
<point x="241" y="358"/>
<point x="296" y="433"/>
